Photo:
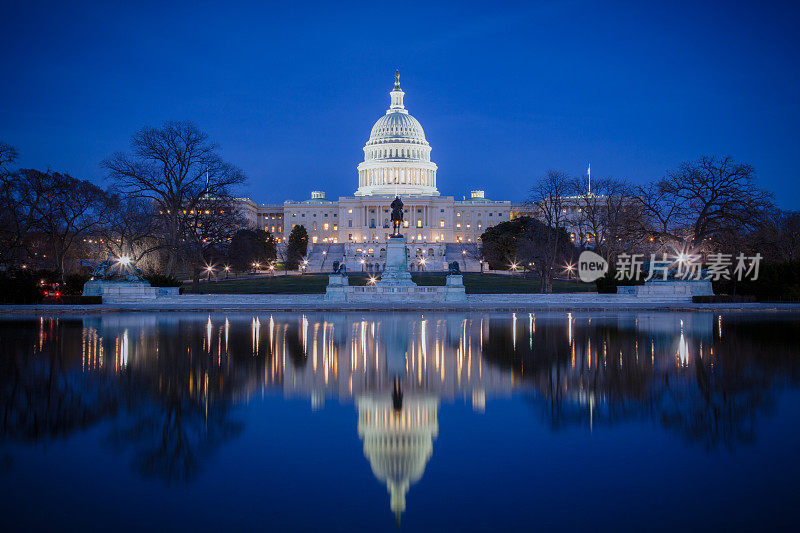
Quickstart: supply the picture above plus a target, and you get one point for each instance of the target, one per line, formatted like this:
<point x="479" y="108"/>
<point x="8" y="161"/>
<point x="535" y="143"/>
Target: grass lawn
<point x="316" y="283"/>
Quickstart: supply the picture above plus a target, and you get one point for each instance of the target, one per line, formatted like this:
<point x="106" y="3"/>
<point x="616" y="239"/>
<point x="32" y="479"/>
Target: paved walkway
<point x="477" y="302"/>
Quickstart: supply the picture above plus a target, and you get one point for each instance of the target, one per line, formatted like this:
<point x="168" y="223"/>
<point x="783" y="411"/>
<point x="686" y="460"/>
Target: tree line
<point x="168" y="204"/>
<point x="713" y="204"/>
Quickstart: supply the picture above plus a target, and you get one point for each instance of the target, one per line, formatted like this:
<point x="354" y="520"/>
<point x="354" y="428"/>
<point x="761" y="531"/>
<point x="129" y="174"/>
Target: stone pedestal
<point x="395" y="284"/>
<point x="120" y="291"/>
<point x="395" y="273"/>
<point x="454" y="289"/>
<point x="337" y="288"/>
<point x="669" y="289"/>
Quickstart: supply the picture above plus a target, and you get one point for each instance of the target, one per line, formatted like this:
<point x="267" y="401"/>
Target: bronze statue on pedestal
<point x="397" y="216"/>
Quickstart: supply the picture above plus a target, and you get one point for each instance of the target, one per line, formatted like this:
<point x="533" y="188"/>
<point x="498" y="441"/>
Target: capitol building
<point x="354" y="229"/>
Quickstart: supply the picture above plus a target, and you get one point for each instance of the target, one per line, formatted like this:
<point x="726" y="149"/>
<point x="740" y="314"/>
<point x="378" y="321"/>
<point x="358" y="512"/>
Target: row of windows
<point x="415" y="153"/>
<point x="458" y="213"/>
<point x="372" y="237"/>
<point x="325" y="226"/>
<point x="314" y="215"/>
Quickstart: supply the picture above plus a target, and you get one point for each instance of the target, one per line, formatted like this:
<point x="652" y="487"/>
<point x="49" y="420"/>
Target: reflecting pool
<point x="370" y="422"/>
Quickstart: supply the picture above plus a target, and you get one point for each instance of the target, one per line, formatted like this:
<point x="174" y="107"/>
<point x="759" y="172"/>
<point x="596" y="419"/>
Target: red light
<point x="58" y="295"/>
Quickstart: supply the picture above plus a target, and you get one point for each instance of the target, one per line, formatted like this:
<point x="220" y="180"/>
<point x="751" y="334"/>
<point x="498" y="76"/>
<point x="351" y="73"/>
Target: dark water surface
<point x="361" y="422"/>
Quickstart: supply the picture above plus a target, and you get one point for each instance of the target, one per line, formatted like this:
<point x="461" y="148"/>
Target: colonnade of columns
<point x="398" y="175"/>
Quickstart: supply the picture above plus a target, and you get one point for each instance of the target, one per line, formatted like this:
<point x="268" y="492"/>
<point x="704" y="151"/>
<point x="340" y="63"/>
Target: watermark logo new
<point x="591" y="266"/>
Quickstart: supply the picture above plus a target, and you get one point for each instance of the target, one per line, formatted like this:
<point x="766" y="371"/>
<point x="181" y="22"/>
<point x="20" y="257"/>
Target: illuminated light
<point x="227" y="268"/>
<point x="124" y="260"/>
<point x="372" y="280"/>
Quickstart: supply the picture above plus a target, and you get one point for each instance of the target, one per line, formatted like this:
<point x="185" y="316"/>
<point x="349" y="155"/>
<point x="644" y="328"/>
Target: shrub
<point x="160" y="280"/>
<point x="19" y="288"/>
<point x="777" y="282"/>
<point x="723" y="299"/>
<point x="608" y="283"/>
<point x="74" y="283"/>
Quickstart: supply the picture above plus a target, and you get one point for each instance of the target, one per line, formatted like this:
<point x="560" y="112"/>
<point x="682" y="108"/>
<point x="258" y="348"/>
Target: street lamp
<point x="227" y="271"/>
<point x="209" y="270"/>
<point x="362" y="265"/>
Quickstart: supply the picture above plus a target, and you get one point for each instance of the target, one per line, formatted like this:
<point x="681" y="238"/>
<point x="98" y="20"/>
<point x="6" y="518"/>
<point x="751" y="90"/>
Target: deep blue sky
<point x="504" y="91"/>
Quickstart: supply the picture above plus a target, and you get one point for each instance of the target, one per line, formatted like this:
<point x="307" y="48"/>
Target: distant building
<point x="354" y="229"/>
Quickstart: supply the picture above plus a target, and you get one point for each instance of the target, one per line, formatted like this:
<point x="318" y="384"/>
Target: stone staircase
<point x="319" y="262"/>
<point x="468" y="262"/>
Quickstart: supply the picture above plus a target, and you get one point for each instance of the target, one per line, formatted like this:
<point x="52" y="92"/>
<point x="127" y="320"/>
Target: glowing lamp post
<point x="569" y="268"/>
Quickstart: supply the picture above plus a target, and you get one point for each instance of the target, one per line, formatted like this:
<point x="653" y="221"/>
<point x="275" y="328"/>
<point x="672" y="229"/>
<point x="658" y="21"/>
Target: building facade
<point x="354" y="229"/>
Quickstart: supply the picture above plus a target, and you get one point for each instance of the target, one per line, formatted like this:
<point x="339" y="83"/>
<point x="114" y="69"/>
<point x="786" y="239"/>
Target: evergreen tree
<point x="296" y="247"/>
<point x="250" y="246"/>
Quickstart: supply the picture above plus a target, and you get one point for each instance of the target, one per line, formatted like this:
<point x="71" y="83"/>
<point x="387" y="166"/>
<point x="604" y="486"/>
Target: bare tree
<point x="16" y="209"/>
<point x="608" y="218"/>
<point x="8" y="154"/>
<point x="134" y="231"/>
<point x="778" y="237"/>
<point x="547" y="197"/>
<point x="703" y="201"/>
<point x="209" y="228"/>
<point x="66" y="211"/>
<point x="176" y="167"/>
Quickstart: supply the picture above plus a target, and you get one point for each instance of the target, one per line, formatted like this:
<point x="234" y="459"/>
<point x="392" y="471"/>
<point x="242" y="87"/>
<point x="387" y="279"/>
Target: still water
<point x="370" y="422"/>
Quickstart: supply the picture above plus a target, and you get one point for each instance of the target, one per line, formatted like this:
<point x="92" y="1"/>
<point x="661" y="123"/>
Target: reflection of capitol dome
<point x="398" y="444"/>
<point x="397" y="157"/>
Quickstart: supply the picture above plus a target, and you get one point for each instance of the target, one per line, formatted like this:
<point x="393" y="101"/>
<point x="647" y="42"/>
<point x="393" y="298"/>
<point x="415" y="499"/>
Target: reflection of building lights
<point x="683" y="349"/>
<point x="569" y="327"/>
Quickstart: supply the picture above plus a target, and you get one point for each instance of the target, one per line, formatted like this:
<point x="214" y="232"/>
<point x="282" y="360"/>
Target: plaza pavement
<point x="474" y="302"/>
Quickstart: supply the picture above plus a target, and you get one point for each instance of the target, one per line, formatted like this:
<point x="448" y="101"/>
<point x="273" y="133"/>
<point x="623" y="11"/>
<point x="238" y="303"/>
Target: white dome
<point x="397" y="157"/>
<point x="397" y="127"/>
